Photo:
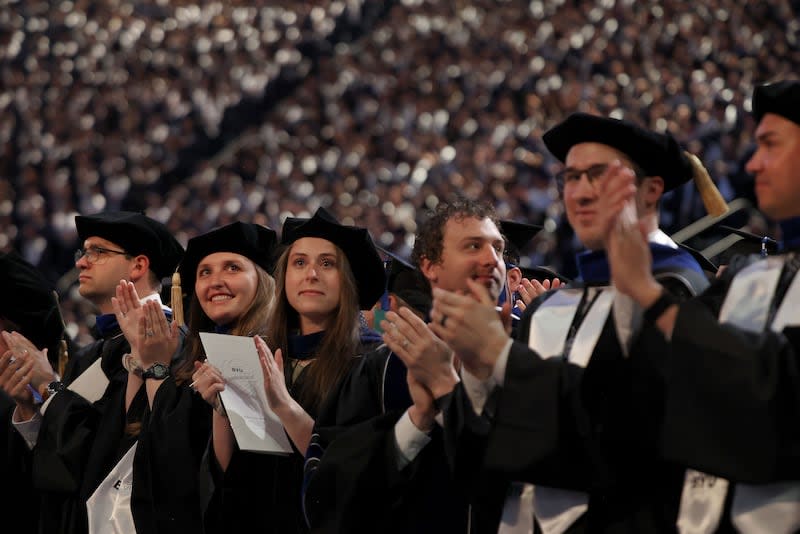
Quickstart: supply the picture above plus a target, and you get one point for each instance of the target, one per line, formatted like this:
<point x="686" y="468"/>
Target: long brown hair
<point x="253" y="322"/>
<point x="339" y="345"/>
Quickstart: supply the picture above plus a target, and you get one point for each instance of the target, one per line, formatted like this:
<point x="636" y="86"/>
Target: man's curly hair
<point x="429" y="240"/>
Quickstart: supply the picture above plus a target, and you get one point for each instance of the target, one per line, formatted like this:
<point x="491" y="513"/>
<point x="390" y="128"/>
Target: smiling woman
<point x="228" y="268"/>
<point x="226" y="285"/>
<point x="325" y="275"/>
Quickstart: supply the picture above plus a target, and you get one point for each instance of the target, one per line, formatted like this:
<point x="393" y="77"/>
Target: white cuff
<point x="409" y="440"/>
<point x="29" y="430"/>
<point x="478" y="390"/>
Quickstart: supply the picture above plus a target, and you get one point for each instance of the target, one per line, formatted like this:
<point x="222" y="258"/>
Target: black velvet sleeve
<point x="733" y="399"/>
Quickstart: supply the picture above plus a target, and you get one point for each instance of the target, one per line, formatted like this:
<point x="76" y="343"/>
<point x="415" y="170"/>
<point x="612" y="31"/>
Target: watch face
<point x="160" y="370"/>
<point x="157" y="371"/>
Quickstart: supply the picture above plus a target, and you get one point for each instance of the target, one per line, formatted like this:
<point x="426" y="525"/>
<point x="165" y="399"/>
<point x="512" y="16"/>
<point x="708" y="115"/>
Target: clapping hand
<point x="151" y="337"/>
<point x="278" y="395"/>
<point x="530" y="289"/>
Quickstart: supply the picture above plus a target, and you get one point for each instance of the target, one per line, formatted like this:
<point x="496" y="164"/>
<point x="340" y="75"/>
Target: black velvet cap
<point x="705" y="263"/>
<point x="394" y="266"/>
<point x="723" y="242"/>
<point x="356" y="244"/>
<point x="136" y="234"/>
<point x="781" y="98"/>
<point x="540" y="274"/>
<point x="407" y="282"/>
<point x="251" y="240"/>
<point x="517" y="235"/>
<point x="657" y="154"/>
<point x="28" y="302"/>
<point x="749" y="243"/>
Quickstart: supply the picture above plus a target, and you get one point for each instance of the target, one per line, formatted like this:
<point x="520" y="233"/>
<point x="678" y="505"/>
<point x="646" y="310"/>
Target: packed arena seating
<point x="202" y="112"/>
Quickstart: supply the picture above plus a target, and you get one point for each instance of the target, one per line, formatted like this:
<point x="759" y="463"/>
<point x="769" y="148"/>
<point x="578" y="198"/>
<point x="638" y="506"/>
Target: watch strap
<point x="158" y="371"/>
<point x="657" y="309"/>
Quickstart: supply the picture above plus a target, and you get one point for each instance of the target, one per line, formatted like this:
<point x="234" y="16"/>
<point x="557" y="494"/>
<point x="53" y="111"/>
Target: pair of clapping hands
<point x="208" y="381"/>
<point x="25" y="372"/>
<point x="464" y="327"/>
<point x="153" y="339"/>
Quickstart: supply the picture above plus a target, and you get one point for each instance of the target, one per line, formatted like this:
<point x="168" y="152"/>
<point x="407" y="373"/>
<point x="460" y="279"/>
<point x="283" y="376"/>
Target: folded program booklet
<point x="254" y="424"/>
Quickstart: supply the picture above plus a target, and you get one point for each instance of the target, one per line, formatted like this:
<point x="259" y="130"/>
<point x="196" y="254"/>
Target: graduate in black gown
<point x="325" y="275"/>
<point x="569" y="409"/>
<point x="522" y="286"/>
<point x="31" y="328"/>
<point x="734" y="370"/>
<point x="83" y="432"/>
<point x="230" y="290"/>
<point x="377" y="461"/>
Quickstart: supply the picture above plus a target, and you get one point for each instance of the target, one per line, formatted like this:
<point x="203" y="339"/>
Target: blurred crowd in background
<point x="202" y="112"/>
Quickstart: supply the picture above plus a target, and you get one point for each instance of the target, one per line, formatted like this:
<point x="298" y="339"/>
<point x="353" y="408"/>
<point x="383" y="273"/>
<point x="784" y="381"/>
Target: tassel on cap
<point x="176" y="299"/>
<point x="63" y="357"/>
<point x="63" y="347"/>
<point x="712" y="199"/>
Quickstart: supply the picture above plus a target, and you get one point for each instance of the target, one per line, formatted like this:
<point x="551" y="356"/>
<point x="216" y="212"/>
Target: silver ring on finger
<point x="149" y="333"/>
<point x="405" y="343"/>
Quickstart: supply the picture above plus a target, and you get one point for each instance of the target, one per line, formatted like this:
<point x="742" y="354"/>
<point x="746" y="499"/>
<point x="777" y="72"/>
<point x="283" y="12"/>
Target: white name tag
<point x="557" y="509"/>
<point x="747" y="302"/>
<point x="109" y="507"/>
<point x="702" y="503"/>
<point x="767" y="508"/>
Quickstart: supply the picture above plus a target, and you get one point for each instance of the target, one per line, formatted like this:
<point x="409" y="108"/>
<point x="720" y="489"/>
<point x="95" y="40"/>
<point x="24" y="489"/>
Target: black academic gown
<point x="17" y="496"/>
<point x="62" y="451"/>
<point x="592" y="429"/>
<point x="356" y="487"/>
<point x="80" y="443"/>
<point x="733" y="401"/>
<point x="261" y="492"/>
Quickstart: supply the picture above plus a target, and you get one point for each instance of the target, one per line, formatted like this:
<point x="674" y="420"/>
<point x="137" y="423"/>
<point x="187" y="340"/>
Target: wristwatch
<point x="158" y="371"/>
<point x="52" y="388"/>
<point x="55" y="386"/>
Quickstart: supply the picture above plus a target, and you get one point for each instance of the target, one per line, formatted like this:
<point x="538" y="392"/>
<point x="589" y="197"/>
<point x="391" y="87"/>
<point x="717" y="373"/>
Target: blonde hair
<point x="252" y="322"/>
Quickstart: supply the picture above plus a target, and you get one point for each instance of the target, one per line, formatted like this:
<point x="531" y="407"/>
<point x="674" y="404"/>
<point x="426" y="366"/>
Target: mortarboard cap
<point x="751" y="243"/>
<point x="29" y="301"/>
<point x="405" y="281"/>
<point x="517" y="235"/>
<point x="657" y="154"/>
<point x="732" y="242"/>
<point x="708" y="266"/>
<point x="136" y="234"/>
<point x="290" y="224"/>
<point x="356" y="244"/>
<point x="781" y="98"/>
<point x="253" y="241"/>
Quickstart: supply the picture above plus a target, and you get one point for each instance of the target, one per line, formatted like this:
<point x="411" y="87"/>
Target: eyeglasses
<point x="573" y="176"/>
<point x="93" y="254"/>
